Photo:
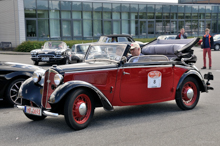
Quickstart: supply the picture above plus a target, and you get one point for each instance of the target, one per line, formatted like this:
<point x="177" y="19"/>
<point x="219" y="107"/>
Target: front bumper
<point x="51" y="59"/>
<point x="44" y="112"/>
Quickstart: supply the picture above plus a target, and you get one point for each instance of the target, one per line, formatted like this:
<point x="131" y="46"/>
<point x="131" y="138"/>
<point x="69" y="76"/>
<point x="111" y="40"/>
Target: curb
<point x="14" y="53"/>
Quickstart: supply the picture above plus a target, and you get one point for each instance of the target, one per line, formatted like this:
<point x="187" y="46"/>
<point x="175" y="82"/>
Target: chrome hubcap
<point x="82" y="109"/>
<point x="190" y="93"/>
<point x="217" y="47"/>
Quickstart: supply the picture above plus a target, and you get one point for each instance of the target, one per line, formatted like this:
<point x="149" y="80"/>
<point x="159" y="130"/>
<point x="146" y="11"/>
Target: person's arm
<point x="212" y="42"/>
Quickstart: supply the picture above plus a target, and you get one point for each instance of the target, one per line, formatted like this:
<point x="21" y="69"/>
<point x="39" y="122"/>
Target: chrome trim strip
<point x="20" y="107"/>
<point x="46" y="113"/>
<point x="91" y="70"/>
<point x="150" y="66"/>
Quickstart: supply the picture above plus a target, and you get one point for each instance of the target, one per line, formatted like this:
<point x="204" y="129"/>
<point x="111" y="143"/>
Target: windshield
<point x="54" y="45"/>
<point x="216" y="37"/>
<point x="109" y="52"/>
<point x="103" y="39"/>
<point x="80" y="49"/>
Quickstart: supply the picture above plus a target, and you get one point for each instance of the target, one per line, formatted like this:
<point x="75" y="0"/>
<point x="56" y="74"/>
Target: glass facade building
<point x="79" y="20"/>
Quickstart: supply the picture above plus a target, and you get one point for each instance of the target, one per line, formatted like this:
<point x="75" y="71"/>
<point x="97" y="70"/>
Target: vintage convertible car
<point x="106" y="79"/>
<point x="12" y="75"/>
<point x="52" y="51"/>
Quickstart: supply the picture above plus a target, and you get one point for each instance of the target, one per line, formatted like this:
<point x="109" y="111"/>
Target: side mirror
<point x="124" y="59"/>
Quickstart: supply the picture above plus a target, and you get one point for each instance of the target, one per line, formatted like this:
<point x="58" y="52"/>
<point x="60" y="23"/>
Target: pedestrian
<point x="181" y="35"/>
<point x="207" y="41"/>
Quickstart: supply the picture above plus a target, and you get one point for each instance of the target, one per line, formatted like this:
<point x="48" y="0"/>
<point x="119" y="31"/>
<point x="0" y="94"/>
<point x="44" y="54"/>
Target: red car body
<point x="75" y="90"/>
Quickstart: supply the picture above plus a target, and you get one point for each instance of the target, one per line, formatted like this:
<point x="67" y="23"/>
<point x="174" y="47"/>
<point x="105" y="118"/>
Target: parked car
<point x="119" y="39"/>
<point x="52" y="51"/>
<point x="216" y="45"/>
<point x="167" y="37"/>
<point x="79" y="51"/>
<point x="165" y="72"/>
<point x="11" y="78"/>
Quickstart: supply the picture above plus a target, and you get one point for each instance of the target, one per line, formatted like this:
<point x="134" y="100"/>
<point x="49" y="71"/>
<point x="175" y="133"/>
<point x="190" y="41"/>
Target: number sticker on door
<point x="154" y="79"/>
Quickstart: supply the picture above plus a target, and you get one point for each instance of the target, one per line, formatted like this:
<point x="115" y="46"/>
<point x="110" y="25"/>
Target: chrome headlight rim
<point x="36" y="77"/>
<point x="58" y="52"/>
<point x="58" y="78"/>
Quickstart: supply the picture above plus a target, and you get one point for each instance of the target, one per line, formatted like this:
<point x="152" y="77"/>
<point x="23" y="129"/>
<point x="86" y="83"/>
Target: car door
<point x="146" y="83"/>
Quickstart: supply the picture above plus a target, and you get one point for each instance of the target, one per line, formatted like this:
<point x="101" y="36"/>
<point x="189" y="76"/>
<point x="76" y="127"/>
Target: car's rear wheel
<point x="79" y="109"/>
<point x="187" y="96"/>
<point x="36" y="62"/>
<point x="12" y="91"/>
<point x="217" y="47"/>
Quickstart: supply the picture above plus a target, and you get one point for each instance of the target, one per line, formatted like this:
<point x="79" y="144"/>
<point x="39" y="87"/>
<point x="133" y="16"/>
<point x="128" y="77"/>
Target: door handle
<point x="126" y="73"/>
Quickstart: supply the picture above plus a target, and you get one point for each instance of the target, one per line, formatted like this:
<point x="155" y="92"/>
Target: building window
<point x="77" y="6"/>
<point x="76" y="15"/>
<point x="150" y="8"/>
<point x="54" y="28"/>
<point x="150" y="15"/>
<point x="115" y="15"/>
<point x="194" y="15"/>
<point x="77" y="27"/>
<point x="87" y="15"/>
<point x="180" y="15"/>
<point x="142" y="15"/>
<point x="107" y="27"/>
<point x="158" y="15"/>
<point x="31" y="28"/>
<point x="87" y="6"/>
<point x="166" y="27"/>
<point x="173" y="27"/>
<point x="201" y="15"/>
<point x="187" y="15"/>
<point x="54" y="5"/>
<point x="30" y="4"/>
<point x="42" y="4"/>
<point x="125" y="7"/>
<point x="97" y="6"/>
<point x="66" y="27"/>
<point x="65" y="5"/>
<point x="107" y="7"/>
<point x="42" y="14"/>
<point x="142" y="8"/>
<point x="166" y="15"/>
<point x="125" y="15"/>
<point x="43" y="28"/>
<point x="116" y="7"/>
<point x="195" y="28"/>
<point x="97" y="28"/>
<point x="134" y="15"/>
<point x="30" y="13"/>
<point x="107" y="15"/>
<point x="207" y="16"/>
<point x="125" y="28"/>
<point x="116" y="27"/>
<point x="214" y="26"/>
<point x="97" y="15"/>
<point x="87" y="28"/>
<point x="54" y="14"/>
<point x="173" y="15"/>
<point x="65" y="15"/>
<point x="188" y="27"/>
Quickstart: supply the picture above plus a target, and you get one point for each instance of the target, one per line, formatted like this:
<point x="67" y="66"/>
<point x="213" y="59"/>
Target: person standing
<point x="181" y="35"/>
<point x="207" y="41"/>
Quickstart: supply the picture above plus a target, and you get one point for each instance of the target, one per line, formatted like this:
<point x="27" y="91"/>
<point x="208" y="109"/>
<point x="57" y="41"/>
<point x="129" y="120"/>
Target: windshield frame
<point x="127" y="47"/>
<point x="64" y="46"/>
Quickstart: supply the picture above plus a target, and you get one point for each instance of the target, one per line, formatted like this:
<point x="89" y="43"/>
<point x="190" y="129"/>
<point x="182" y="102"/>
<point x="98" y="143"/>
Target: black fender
<point x="18" y="73"/>
<point x="31" y="91"/>
<point x="197" y="76"/>
<point x="63" y="89"/>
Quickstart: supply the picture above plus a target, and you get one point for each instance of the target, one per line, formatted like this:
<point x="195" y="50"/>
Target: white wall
<point x="9" y="28"/>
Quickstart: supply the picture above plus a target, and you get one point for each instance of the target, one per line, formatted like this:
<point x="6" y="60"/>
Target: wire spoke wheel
<point x="14" y="92"/>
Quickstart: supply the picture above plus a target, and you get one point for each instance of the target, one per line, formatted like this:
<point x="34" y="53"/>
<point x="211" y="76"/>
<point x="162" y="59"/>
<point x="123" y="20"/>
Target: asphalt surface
<point x="161" y="124"/>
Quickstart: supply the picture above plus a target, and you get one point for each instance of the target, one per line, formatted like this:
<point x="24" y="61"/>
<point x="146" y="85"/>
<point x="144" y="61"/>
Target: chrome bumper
<point x="45" y="113"/>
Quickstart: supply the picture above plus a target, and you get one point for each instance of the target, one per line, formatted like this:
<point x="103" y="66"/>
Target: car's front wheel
<point x="35" y="118"/>
<point x="188" y="94"/>
<point x="12" y="91"/>
<point x="79" y="109"/>
<point x="217" y="47"/>
<point x="36" y="62"/>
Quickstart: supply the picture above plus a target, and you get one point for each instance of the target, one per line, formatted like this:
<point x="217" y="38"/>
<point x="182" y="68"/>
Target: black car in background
<point x="12" y="75"/>
<point x="216" y="45"/>
<point x="52" y="51"/>
<point x="79" y="51"/>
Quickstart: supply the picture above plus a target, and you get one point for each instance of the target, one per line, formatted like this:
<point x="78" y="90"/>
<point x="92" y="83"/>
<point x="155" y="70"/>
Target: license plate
<point x="45" y="58"/>
<point x="33" y="111"/>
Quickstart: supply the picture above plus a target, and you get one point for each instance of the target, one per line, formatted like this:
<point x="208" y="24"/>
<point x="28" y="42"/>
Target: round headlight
<point x="36" y="77"/>
<point x="58" y="79"/>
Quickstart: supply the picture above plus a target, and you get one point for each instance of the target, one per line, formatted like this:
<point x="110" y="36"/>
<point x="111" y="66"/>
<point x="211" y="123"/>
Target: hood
<point x="84" y="66"/>
<point x="12" y="66"/>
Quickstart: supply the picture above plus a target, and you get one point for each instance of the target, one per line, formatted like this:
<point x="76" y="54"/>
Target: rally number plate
<point x="33" y="111"/>
<point x="45" y="58"/>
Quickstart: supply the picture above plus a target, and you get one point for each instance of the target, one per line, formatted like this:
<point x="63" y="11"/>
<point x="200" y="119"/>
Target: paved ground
<point x="154" y="125"/>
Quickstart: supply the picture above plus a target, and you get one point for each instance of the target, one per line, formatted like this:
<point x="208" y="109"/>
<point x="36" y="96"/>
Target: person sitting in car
<point x="135" y="50"/>
<point x="182" y="34"/>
